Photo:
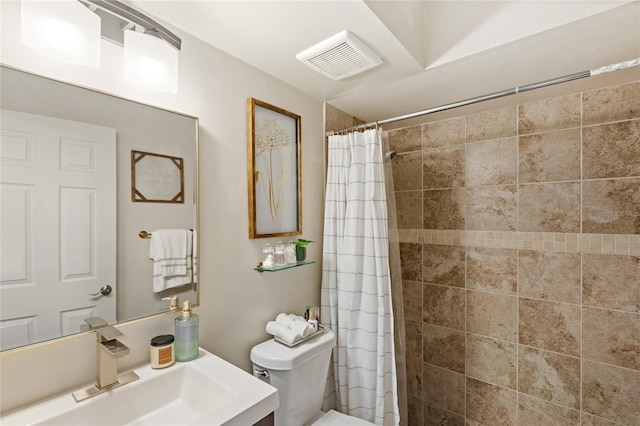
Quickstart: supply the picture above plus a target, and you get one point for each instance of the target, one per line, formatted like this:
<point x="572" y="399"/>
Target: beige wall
<point x="520" y="247"/>
<point x="236" y="301"/>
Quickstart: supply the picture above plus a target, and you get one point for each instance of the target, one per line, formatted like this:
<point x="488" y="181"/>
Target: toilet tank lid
<point x="276" y="356"/>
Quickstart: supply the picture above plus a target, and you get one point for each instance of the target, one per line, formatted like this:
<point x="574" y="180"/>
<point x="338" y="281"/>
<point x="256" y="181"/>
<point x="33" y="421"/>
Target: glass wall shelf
<point x="259" y="268"/>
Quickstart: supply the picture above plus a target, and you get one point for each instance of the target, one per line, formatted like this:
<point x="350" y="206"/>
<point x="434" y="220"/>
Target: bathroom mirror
<point x="72" y="250"/>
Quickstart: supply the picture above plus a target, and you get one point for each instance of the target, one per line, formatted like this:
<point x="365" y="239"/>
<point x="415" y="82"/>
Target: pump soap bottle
<point x="187" y="334"/>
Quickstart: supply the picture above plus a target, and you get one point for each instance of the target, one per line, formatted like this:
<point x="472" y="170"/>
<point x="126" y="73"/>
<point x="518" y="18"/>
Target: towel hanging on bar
<point x="172" y="253"/>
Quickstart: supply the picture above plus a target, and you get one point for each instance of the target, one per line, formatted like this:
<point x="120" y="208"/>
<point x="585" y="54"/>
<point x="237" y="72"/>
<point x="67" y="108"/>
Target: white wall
<point x="236" y="301"/>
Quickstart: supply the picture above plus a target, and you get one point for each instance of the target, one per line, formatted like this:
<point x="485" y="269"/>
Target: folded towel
<point x="281" y="332"/>
<point x="161" y="283"/>
<point x="169" y="248"/>
<point x="172" y="253"/>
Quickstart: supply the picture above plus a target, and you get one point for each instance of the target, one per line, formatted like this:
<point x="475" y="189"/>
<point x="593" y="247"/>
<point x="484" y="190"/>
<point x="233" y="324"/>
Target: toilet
<point x="300" y="373"/>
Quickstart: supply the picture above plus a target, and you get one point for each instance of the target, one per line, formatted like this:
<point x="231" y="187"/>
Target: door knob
<point x="105" y="290"/>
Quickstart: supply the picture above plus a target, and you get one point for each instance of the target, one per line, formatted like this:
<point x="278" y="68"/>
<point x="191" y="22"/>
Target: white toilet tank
<point x="299" y="373"/>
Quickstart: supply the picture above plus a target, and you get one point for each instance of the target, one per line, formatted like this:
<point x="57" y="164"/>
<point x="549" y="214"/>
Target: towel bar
<point x="145" y="234"/>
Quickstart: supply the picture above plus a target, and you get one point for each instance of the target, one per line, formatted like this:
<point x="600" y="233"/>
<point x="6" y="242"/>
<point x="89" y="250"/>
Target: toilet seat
<point x="334" y="418"/>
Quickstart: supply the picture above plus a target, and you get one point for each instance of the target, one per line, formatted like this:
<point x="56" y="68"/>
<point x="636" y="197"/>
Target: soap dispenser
<point x="187" y="334"/>
<point x="174" y="303"/>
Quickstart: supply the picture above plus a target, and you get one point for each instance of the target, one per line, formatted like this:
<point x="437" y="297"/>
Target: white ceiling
<point x="434" y="52"/>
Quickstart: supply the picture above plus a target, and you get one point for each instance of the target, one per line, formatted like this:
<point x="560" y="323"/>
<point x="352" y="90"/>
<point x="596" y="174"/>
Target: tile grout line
<point x="606" y="244"/>
<point x="581" y="254"/>
<point x="422" y="154"/>
<point x="465" y="274"/>
<point x="517" y="267"/>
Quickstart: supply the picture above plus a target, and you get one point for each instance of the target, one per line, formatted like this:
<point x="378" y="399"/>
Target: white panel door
<point x="58" y="226"/>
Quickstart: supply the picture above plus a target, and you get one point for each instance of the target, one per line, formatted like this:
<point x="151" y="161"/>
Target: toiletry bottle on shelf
<point x="312" y="318"/>
<point x="187" y="334"/>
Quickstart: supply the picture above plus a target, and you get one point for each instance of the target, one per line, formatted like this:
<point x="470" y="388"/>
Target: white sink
<point x="205" y="391"/>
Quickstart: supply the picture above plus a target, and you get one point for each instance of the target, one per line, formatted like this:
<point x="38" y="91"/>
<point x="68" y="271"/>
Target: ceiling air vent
<point x="340" y="56"/>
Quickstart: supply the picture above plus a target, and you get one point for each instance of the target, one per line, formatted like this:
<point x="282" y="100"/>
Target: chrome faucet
<point x="109" y="349"/>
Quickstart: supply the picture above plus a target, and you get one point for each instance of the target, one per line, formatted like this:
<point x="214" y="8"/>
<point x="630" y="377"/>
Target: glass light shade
<point x="64" y="30"/>
<point x="150" y="62"/>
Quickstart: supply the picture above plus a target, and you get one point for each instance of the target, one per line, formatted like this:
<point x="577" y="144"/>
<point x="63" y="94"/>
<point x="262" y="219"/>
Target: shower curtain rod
<point x="496" y="95"/>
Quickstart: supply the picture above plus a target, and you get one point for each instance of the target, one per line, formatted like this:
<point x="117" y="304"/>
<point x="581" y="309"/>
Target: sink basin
<point x="205" y="391"/>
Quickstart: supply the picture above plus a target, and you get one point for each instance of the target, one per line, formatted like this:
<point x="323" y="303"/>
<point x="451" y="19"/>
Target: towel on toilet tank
<point x="295" y="323"/>
<point x="284" y="320"/>
<point x="283" y="333"/>
<point x="289" y="327"/>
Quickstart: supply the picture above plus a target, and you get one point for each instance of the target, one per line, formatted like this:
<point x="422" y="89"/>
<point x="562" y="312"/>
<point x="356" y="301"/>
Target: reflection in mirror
<point x="69" y="227"/>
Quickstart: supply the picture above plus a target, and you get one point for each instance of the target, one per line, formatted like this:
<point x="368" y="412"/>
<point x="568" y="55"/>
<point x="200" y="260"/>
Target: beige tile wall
<point x="520" y="247"/>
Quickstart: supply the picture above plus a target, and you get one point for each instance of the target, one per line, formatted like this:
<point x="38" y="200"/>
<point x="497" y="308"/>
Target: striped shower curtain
<point x="356" y="284"/>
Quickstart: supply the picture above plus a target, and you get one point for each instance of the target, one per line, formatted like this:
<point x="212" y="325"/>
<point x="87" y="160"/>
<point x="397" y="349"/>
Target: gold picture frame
<point x="156" y="178"/>
<point x="274" y="170"/>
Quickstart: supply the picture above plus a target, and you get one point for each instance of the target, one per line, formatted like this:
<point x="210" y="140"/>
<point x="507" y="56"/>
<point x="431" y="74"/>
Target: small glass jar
<point x="161" y="351"/>
<point x="290" y="253"/>
<point x="280" y="256"/>
<point x="268" y="256"/>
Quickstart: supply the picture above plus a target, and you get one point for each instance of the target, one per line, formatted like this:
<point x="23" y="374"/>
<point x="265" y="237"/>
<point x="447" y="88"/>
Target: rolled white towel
<point x="281" y="332"/>
<point x="274" y="328"/>
<point x="284" y="320"/>
<point x="301" y="328"/>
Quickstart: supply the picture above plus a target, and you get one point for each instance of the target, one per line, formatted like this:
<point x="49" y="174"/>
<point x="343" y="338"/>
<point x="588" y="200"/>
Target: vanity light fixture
<point x="150" y="62"/>
<point x="64" y="30"/>
<point x="150" y="49"/>
<point x="130" y="17"/>
<point x="70" y="30"/>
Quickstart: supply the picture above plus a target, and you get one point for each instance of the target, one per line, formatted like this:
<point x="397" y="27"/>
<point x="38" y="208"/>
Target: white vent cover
<point x="340" y="56"/>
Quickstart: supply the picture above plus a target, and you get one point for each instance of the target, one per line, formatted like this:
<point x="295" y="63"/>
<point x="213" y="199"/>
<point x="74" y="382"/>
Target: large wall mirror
<point x="71" y="245"/>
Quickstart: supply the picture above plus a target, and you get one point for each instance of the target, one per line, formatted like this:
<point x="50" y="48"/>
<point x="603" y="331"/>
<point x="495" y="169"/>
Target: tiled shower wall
<point x="520" y="246"/>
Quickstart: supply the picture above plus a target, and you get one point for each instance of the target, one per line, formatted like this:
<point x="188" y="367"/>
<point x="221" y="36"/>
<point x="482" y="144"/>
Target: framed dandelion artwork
<point x="274" y="170"/>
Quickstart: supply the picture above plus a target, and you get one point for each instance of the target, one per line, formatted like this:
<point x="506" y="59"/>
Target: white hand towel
<point x="283" y="319"/>
<point x="169" y="247"/>
<point x="166" y="273"/>
<point x="301" y="328"/>
<point x="275" y="329"/>
<point x="281" y="332"/>
<point x="295" y="323"/>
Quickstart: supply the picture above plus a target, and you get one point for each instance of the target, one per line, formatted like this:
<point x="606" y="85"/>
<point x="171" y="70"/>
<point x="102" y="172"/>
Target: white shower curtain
<point x="356" y="283"/>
